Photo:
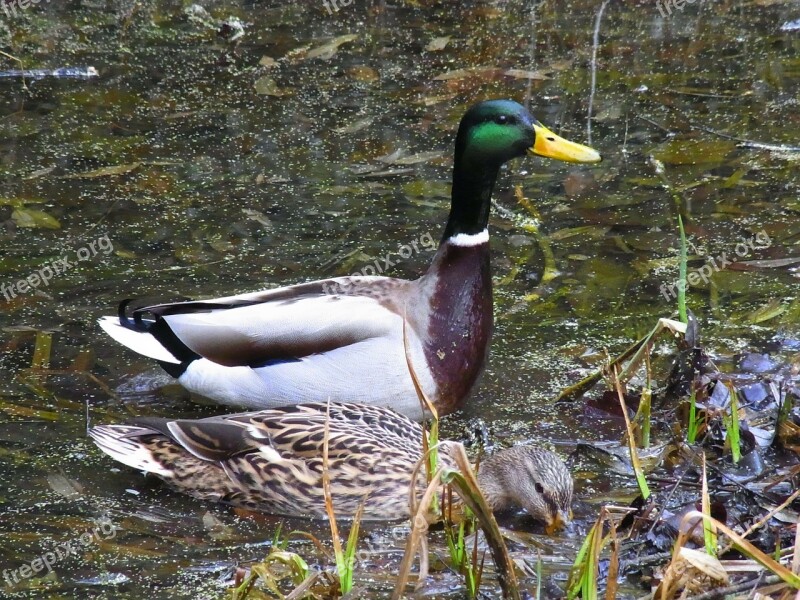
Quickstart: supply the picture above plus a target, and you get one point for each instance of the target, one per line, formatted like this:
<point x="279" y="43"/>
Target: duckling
<point x="272" y="461"/>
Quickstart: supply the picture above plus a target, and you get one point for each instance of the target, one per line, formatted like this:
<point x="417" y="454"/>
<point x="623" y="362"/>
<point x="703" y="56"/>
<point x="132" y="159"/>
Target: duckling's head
<point x="495" y="131"/>
<point x="531" y="478"/>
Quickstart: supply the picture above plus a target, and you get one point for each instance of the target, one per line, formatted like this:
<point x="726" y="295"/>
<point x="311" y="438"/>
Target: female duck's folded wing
<point x="277" y="434"/>
<point x="300" y="430"/>
<point x="253" y="329"/>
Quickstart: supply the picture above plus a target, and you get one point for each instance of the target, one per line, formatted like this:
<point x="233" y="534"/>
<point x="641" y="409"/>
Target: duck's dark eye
<point x="501" y="119"/>
<point x="538" y="487"/>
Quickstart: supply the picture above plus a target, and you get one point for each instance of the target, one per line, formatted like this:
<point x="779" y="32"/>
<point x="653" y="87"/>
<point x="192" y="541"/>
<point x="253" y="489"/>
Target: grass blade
<point x="733" y="426"/>
<point x="682" y="314"/>
<point x="709" y="533"/>
<point x="637" y="466"/>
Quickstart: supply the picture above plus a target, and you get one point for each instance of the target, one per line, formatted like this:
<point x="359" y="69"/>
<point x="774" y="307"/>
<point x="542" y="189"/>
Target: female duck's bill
<point x="309" y="343"/>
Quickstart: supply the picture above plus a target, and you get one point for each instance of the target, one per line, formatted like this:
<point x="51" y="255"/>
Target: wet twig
<point x="666" y="501"/>
<point x="745" y="143"/>
<point x="741" y="142"/>
<point x="595" y="43"/>
<point x="21" y="68"/>
<point x="655" y="124"/>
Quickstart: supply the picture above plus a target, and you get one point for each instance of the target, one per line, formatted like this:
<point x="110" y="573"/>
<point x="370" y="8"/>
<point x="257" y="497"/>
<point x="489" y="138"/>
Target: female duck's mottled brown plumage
<point x="271" y="461"/>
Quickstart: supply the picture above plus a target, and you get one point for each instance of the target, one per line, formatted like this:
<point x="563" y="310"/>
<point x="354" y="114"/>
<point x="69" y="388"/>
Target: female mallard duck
<point x="343" y="338"/>
<point x="271" y="461"/>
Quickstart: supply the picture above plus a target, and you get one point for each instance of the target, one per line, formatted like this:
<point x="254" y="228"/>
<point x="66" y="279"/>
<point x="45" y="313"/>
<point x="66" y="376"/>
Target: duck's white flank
<point x="469" y="239"/>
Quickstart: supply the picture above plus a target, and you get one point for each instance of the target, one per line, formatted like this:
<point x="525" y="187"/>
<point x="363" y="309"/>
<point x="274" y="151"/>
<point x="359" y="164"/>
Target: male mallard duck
<point x="271" y="461"/>
<point x="343" y="338"/>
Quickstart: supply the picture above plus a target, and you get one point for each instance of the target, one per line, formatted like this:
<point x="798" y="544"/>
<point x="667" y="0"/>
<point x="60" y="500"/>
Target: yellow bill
<point x="552" y="146"/>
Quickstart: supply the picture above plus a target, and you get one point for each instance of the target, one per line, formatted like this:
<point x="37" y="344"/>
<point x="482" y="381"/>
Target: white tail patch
<point x="114" y="441"/>
<point x="138" y="341"/>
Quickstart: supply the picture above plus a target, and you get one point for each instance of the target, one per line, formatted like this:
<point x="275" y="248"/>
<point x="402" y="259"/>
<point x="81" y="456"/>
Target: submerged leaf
<point x="439" y="43"/>
<point x="355" y="127"/>
<point x="16" y="202"/>
<point x="525" y="74"/>
<point x="464" y="73"/>
<point x="266" y="86"/>
<point x="362" y="73"/>
<point x="34" y="219"/>
<point x="111" y="171"/>
<point x="268" y="61"/>
<point x="768" y="311"/>
<point x="328" y="51"/>
<point x="694" y="152"/>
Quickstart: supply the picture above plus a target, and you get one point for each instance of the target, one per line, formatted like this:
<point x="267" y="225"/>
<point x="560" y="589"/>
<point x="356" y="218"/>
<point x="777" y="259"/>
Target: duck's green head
<point x="495" y="131"/>
<point x="490" y="134"/>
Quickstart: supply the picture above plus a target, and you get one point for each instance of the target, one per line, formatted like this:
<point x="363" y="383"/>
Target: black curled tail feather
<point x="136" y="324"/>
<point x="160" y="330"/>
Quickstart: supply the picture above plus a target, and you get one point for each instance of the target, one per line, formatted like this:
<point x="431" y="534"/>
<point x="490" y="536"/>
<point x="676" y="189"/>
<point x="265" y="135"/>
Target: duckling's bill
<point x="550" y="145"/>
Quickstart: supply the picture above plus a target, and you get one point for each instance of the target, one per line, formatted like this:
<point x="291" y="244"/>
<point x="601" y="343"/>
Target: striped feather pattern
<point x="272" y="461"/>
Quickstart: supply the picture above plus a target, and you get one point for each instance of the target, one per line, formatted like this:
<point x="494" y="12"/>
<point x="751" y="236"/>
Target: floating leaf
<point x="768" y="311"/>
<point x="525" y="74"/>
<point x="560" y="65"/>
<point x="437" y="44"/>
<point x="268" y="61"/>
<point x="124" y="253"/>
<point x="396" y="158"/>
<point x="464" y="73"/>
<point x="40" y="172"/>
<point x="431" y="100"/>
<point x="362" y="73"/>
<point x="35" y="219"/>
<point x="18" y="202"/>
<point x="266" y="86"/>
<point x="297" y="54"/>
<point x="589" y="231"/>
<point x="258" y="217"/>
<point x="775" y="263"/>
<point x="355" y="127"/>
<point x="112" y="171"/>
<point x="328" y="51"/>
<point x="694" y="152"/>
<point x="68" y="488"/>
<point x="612" y="112"/>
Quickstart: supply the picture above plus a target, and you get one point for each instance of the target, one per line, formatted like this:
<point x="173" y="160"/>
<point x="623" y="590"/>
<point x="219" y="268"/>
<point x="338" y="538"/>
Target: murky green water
<point x="192" y="167"/>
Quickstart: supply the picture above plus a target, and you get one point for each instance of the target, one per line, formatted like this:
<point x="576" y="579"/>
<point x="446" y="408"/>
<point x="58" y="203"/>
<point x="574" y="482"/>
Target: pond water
<point x="320" y="140"/>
